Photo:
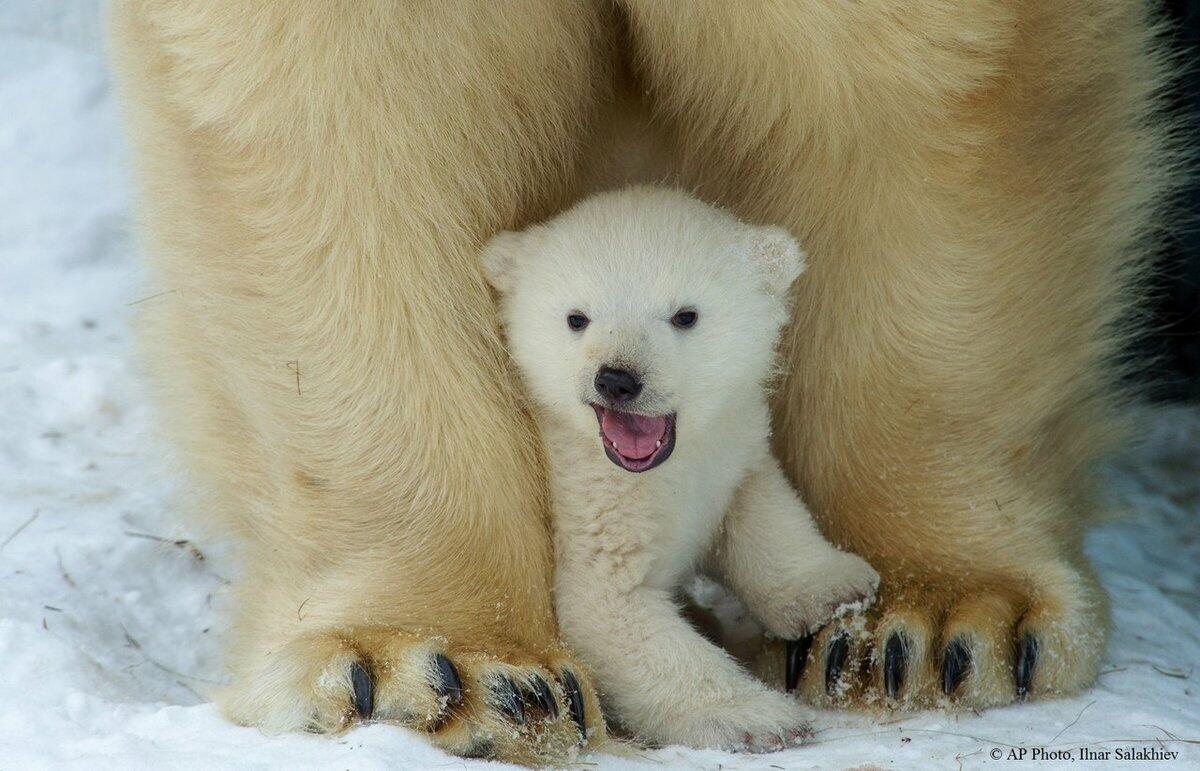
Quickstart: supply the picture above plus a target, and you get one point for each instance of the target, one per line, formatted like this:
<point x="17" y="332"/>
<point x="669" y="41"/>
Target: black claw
<point x="795" y="657"/>
<point x="540" y="695"/>
<point x="1026" y="661"/>
<point x="445" y="680"/>
<point x="835" y="659"/>
<point x="574" y="700"/>
<point x="895" y="663"/>
<point x="364" y="690"/>
<point x="508" y="699"/>
<point x="956" y="663"/>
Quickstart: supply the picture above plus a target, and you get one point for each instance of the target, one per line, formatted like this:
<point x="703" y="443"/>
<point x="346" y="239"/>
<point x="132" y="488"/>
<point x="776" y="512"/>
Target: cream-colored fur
<point x="329" y="351"/>
<point x="626" y="542"/>
<point x="974" y="183"/>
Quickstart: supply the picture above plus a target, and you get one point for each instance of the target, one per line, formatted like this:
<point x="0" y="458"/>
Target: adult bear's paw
<point x="508" y="705"/>
<point x="957" y="643"/>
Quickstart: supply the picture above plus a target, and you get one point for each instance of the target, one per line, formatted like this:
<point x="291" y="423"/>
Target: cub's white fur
<point x="628" y="261"/>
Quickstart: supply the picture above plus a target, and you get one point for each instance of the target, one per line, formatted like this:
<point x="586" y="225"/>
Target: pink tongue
<point x="634" y="435"/>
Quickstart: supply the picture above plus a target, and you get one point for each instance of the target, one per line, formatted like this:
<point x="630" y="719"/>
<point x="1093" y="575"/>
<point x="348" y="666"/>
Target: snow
<point x="109" y="612"/>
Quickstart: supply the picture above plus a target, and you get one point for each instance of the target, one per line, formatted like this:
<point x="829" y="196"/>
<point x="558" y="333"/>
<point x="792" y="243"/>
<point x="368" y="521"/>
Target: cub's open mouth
<point x="635" y="442"/>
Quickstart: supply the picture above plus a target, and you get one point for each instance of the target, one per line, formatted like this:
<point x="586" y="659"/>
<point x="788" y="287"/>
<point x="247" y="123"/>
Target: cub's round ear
<point x="499" y="258"/>
<point x="777" y="258"/>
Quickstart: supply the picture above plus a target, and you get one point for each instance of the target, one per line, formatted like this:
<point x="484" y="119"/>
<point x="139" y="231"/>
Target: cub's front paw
<point x="764" y="721"/>
<point x="840" y="583"/>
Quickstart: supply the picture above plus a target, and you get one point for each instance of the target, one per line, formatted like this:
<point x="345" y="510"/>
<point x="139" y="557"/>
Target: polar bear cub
<point x="644" y="323"/>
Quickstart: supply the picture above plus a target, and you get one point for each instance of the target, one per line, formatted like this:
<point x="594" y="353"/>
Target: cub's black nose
<point x="617" y="385"/>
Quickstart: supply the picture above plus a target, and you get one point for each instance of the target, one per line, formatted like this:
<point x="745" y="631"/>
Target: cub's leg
<point x="315" y="181"/>
<point x="771" y="555"/>
<point x="658" y="677"/>
<point x="973" y="183"/>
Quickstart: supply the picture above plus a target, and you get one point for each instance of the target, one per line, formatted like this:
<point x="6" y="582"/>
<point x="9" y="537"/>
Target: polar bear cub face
<point x="645" y="310"/>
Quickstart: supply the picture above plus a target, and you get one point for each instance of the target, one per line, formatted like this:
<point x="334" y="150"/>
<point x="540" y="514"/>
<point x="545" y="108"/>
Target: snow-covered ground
<point x="109" y="611"/>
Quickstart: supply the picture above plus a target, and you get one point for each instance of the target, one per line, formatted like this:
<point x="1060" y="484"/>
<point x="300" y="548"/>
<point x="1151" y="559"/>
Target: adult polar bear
<point x="973" y="181"/>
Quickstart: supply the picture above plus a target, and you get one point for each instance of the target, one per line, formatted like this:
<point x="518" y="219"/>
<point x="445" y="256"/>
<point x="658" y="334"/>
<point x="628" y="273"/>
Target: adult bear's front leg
<point x="316" y="180"/>
<point x="973" y="183"/>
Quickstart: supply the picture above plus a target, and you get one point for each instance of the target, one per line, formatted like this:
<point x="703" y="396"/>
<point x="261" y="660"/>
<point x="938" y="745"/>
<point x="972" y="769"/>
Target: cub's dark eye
<point x="577" y="321"/>
<point x="685" y="319"/>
